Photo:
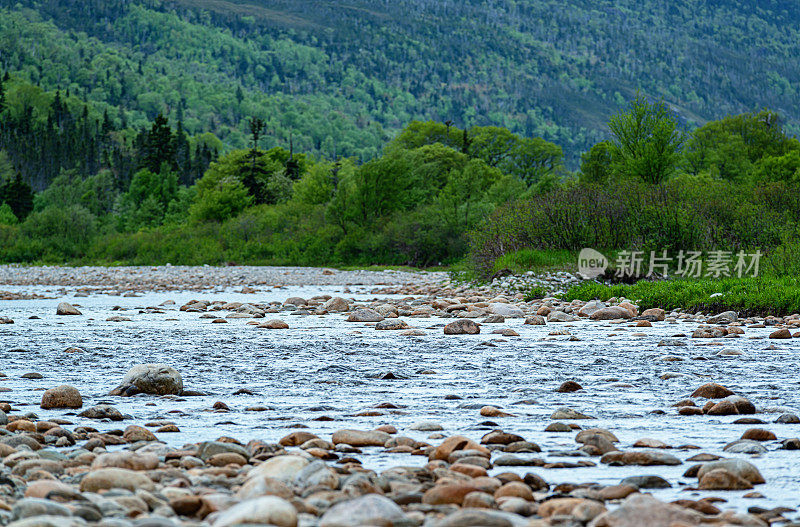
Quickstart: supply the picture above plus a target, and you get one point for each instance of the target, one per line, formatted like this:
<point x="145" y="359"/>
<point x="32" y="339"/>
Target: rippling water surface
<point x="324" y="366"/>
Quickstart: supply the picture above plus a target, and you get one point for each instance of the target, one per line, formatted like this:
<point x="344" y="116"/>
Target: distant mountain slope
<point x="343" y="76"/>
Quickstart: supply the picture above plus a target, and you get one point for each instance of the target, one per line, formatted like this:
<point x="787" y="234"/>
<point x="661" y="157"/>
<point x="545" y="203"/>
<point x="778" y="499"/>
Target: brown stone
<point x="712" y="390"/>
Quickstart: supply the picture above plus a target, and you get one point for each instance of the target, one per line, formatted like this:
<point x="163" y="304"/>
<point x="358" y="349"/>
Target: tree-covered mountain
<point x="341" y="78"/>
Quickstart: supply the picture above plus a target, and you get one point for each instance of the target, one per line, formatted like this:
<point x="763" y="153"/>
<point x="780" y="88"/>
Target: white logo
<point x="591" y="263"/>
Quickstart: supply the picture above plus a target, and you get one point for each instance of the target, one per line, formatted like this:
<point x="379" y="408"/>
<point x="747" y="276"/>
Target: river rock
<point x="781" y="334"/>
<point x="736" y="466"/>
<point x="639" y="510"/>
<point x="569" y="387"/>
<point x="656" y="313"/>
<point x="560" y="316"/>
<point x="732" y="405"/>
<point x="134" y="433"/>
<point x="591" y="307"/>
<point x="153" y="379"/>
<point x="536" y="320"/>
<point x="393" y="324"/>
<point x="275" y="323"/>
<point x="505" y="310"/>
<point x="64" y="396"/>
<point x="744" y="446"/>
<point x="270" y="510"/>
<point x="365" y="315"/>
<point x="721" y="479"/>
<point x="723" y="318"/>
<point x="565" y="413"/>
<point x="448" y="494"/>
<point x="462" y="326"/>
<point x="371" y="509"/>
<point x="115" y="478"/>
<point x="336" y="305"/>
<point x="283" y="468"/>
<point x="611" y="313"/>
<point x="455" y="443"/>
<point x="646" y="482"/>
<point x="359" y="438"/>
<point x="127" y="460"/>
<point x="712" y="390"/>
<point x="65" y="308"/>
<point x="102" y="411"/>
<point x="759" y="434"/>
<point x="639" y="457"/>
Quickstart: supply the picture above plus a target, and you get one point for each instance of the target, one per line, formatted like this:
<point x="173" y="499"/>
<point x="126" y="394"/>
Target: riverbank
<point x="367" y="404"/>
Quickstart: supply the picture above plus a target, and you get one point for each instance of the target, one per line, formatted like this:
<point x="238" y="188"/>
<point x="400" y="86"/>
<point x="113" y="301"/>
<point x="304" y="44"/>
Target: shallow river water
<point x="325" y="366"/>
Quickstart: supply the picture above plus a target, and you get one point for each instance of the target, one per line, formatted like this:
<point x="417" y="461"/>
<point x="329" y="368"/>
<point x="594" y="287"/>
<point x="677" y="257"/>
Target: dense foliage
<point x="343" y="77"/>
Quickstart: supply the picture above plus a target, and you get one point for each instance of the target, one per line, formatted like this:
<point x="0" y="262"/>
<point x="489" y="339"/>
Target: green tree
<point x="18" y="195"/>
<point x="596" y="164"/>
<point x="159" y="146"/>
<point x="219" y="199"/>
<point x="646" y="141"/>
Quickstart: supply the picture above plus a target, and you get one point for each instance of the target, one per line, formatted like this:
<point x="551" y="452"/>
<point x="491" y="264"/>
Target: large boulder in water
<point x="154" y="379"/>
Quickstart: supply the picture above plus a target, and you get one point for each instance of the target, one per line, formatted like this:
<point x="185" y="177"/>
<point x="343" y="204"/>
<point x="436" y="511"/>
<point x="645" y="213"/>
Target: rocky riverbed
<point x="285" y="396"/>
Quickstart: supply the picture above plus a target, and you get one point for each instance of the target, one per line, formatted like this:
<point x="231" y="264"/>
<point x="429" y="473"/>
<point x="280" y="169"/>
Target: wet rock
<point x="646" y="482"/>
<point x="134" y="433"/>
<point x="738" y="467"/>
<point x="723" y="318"/>
<point x="102" y="411"/>
<point x="365" y="315"/>
<point x="297" y="438"/>
<point x="744" y="446"/>
<point x="264" y="486"/>
<point x="273" y="324"/>
<point x="597" y="444"/>
<point x="153" y="379"/>
<point x="640" y="457"/>
<point x="560" y="316"/>
<point x="127" y="460"/>
<point x="472" y="517"/>
<point x="642" y="509"/>
<point x="462" y="326"/>
<point x="336" y="305"/>
<point x="505" y="310"/>
<point x="493" y="411"/>
<point x="456" y="443"/>
<point x="207" y="449"/>
<point x="447" y="494"/>
<point x="494" y="319"/>
<point x="371" y="509"/>
<point x="426" y="426"/>
<point x="721" y="479"/>
<point x="283" y="468"/>
<point x="64" y="396"/>
<point x="655" y="312"/>
<point x="569" y="387"/>
<point x="581" y="509"/>
<point x="712" y="390"/>
<point x="583" y="435"/>
<point x="115" y="478"/>
<point x="732" y="405"/>
<point x="295" y="301"/>
<point x="709" y="333"/>
<point x="565" y="413"/>
<point x="65" y="308"/>
<point x="394" y="324"/>
<point x="359" y="438"/>
<point x="270" y="510"/>
<point x="558" y="426"/>
<point x="759" y="434"/>
<point x="30" y="507"/>
<point x="781" y="334"/>
<point x="611" y="313"/>
<point x="788" y="419"/>
<point x="535" y="320"/>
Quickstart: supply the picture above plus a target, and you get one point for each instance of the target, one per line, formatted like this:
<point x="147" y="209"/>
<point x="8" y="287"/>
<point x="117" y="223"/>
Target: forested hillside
<point x="343" y="77"/>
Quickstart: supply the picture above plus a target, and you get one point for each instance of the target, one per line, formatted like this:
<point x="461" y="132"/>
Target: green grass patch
<point x="536" y="260"/>
<point x="748" y="296"/>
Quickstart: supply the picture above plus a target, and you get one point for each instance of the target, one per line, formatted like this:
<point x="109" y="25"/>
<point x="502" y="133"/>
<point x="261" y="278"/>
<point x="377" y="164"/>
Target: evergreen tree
<point x="158" y="146"/>
<point x="18" y="195"/>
